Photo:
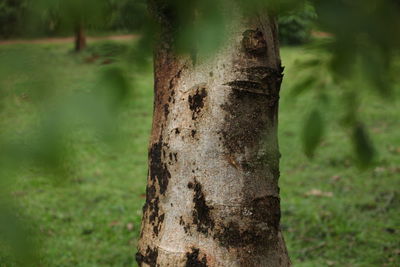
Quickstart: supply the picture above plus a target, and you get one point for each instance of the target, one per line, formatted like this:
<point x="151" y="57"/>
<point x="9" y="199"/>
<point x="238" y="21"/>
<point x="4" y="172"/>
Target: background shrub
<point x="127" y="15"/>
<point x="11" y="13"/>
<point x="295" y="26"/>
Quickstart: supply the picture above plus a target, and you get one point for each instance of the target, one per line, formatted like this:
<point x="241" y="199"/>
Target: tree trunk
<point x="80" y="38"/>
<point x="212" y="196"/>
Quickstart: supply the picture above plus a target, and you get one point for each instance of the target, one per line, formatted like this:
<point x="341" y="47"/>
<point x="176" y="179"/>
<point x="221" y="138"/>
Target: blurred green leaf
<point x="311" y="63"/>
<point x="17" y="239"/>
<point x="313" y="132"/>
<point x="295" y="26"/>
<point x="376" y="70"/>
<point x="275" y="6"/>
<point x="199" y="26"/>
<point x="351" y="103"/>
<point x="363" y="146"/>
<point x="303" y="86"/>
<point x="115" y="85"/>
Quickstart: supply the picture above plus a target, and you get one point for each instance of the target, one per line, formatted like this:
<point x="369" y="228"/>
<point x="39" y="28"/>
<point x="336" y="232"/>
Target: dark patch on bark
<point x="270" y="157"/>
<point x="159" y="174"/>
<point x="196" y="101"/>
<point x="172" y="84"/>
<point x="157" y="225"/>
<point x="149" y="258"/>
<point x="193" y="260"/>
<point x="202" y="212"/>
<point x="245" y="122"/>
<point x="271" y="77"/>
<point x="177" y="131"/>
<point x="173" y="157"/>
<point x="153" y="211"/>
<point x="251" y="108"/>
<point x="166" y="110"/>
<point x="260" y="80"/>
<point x="186" y="226"/>
<point x="171" y="96"/>
<point x="150" y="196"/>
<point x="247" y="86"/>
<point x="266" y="209"/>
<point x="254" y="43"/>
<point x="250" y="129"/>
<point x="154" y="216"/>
<point x="193" y="133"/>
<point x="259" y="230"/>
<point x="256" y="237"/>
<point x="151" y="206"/>
<point x="150" y="192"/>
<point x="158" y="170"/>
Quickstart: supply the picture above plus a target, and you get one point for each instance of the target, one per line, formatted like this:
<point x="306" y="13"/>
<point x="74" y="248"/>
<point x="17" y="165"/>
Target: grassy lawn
<point x="332" y="213"/>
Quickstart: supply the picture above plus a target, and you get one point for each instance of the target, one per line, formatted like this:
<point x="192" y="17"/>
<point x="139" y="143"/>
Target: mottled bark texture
<point x="212" y="195"/>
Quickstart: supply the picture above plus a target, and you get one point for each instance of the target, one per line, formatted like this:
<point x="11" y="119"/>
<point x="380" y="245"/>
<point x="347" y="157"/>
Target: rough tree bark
<point x="212" y="194"/>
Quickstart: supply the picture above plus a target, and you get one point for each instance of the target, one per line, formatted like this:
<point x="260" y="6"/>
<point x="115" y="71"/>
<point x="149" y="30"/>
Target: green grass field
<point x="332" y="213"/>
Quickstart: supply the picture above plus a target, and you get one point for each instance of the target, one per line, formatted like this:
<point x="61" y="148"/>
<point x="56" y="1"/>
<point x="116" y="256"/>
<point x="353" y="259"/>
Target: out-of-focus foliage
<point x="126" y="15"/>
<point x="17" y="236"/>
<point x="363" y="48"/>
<point x="11" y="15"/>
<point x="313" y="132"/>
<point x="59" y="114"/>
<point x="36" y="18"/>
<point x="365" y="32"/>
<point x="66" y="15"/>
<point x="295" y="26"/>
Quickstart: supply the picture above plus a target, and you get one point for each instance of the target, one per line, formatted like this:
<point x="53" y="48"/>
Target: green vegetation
<point x="39" y="18"/>
<point x="295" y="26"/>
<point x="332" y="214"/>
